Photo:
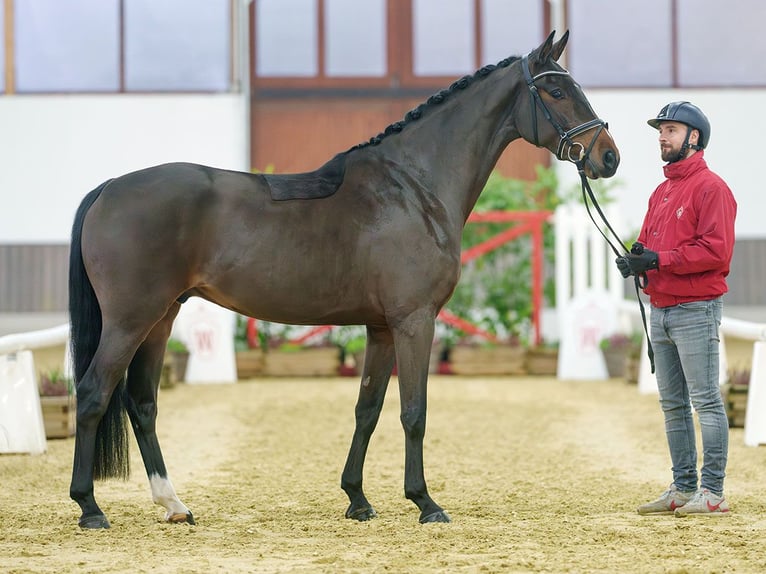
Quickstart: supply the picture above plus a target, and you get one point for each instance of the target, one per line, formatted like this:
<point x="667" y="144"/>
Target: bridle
<point x="566" y="143"/>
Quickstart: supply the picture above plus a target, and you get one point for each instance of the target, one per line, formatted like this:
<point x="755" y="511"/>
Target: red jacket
<point x="690" y="224"/>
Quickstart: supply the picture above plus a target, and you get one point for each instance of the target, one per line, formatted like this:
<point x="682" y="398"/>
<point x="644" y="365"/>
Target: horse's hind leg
<point x="378" y="364"/>
<point x="101" y="447"/>
<point x="143" y="382"/>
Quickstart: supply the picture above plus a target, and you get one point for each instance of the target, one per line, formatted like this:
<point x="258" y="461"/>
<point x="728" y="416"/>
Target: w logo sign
<point x="208" y="331"/>
<point x="204" y="339"/>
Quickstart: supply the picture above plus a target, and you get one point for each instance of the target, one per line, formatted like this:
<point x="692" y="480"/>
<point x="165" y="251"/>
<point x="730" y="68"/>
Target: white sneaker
<point x="670" y="500"/>
<point x="704" y="502"/>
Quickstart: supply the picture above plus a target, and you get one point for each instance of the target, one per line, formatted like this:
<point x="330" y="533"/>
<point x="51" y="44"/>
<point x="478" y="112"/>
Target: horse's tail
<point x="111" y="454"/>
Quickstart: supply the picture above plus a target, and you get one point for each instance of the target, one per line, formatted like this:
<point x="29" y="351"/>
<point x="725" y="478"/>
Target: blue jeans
<point x="685" y="341"/>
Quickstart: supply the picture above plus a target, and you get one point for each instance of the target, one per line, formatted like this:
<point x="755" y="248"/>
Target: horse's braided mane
<point x="434" y="100"/>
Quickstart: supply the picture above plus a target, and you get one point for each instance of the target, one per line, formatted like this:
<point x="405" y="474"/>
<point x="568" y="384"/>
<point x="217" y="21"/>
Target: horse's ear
<point x="544" y="51"/>
<point x="558" y="47"/>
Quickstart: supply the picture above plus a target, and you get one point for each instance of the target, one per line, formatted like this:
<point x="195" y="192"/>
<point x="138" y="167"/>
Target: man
<point x="682" y="258"/>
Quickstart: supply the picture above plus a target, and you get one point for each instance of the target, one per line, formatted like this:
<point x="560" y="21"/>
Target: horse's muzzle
<point x="610" y="160"/>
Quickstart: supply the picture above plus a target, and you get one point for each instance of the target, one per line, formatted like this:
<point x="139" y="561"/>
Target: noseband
<point x="566" y="143"/>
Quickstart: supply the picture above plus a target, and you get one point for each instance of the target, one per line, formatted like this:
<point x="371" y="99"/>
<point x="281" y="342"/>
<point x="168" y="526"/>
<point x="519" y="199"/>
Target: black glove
<point x="624" y="266"/>
<point x="640" y="259"/>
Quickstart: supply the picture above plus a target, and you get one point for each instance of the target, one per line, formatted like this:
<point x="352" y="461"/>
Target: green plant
<point x="54" y="383"/>
<point x="176" y="346"/>
<point x="270" y="335"/>
<point x="494" y="291"/>
<point x="739" y="378"/>
<point x="350" y="338"/>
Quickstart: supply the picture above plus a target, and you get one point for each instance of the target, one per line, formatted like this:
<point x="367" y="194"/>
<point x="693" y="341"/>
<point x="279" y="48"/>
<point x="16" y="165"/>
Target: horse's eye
<point x="557" y="93"/>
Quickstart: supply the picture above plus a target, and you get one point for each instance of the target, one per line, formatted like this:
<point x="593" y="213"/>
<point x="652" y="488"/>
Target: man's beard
<point x="670" y="153"/>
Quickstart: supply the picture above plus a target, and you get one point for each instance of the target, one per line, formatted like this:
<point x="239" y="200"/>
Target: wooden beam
<point x="10" y="76"/>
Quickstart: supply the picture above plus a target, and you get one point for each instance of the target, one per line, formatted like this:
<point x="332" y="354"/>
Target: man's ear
<point x="694" y="137"/>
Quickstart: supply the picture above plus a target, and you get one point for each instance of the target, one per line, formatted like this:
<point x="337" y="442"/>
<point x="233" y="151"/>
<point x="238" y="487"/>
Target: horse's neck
<point x="459" y="142"/>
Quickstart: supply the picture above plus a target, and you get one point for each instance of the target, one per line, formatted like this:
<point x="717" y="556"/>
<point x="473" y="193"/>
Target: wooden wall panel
<point x="33" y="278"/>
<point x="302" y="134"/>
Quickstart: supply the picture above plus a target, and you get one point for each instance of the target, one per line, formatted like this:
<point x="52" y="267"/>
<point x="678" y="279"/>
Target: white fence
<point x="34" y="340"/>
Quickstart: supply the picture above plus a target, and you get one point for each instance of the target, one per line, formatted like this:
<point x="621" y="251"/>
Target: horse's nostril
<point x="610" y="160"/>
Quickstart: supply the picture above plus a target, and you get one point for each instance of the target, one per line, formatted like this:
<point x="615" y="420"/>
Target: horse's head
<point x="559" y="117"/>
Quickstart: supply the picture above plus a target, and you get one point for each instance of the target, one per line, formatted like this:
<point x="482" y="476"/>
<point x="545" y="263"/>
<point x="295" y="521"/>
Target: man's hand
<point x="640" y="259"/>
<point x="624" y="266"/>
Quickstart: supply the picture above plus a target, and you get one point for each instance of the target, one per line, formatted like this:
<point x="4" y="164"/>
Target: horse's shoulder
<point x="322" y="182"/>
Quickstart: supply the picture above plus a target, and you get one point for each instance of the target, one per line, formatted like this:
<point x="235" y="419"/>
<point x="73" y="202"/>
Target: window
<point x="510" y="28"/>
<point x="443" y="38"/>
<point x="286" y="37"/>
<point x="721" y="45"/>
<point x="667" y="43"/>
<point x="387" y="43"/>
<point x="607" y="49"/>
<point x="170" y="47"/>
<point x="355" y="46"/>
<point x="119" y="45"/>
<point x="67" y="46"/>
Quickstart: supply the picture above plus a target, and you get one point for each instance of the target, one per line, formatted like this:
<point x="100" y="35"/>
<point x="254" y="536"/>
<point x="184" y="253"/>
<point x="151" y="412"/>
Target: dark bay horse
<point x="370" y="238"/>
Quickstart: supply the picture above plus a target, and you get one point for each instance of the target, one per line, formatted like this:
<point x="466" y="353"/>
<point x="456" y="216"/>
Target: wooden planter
<point x="615" y="361"/>
<point x="250" y="363"/>
<point x="305" y="362"/>
<point x="174" y="368"/>
<point x="433" y="361"/>
<point x="632" y="365"/>
<point x="542" y="361"/>
<point x="499" y="360"/>
<point x="59" y="415"/>
<point x="735" y="403"/>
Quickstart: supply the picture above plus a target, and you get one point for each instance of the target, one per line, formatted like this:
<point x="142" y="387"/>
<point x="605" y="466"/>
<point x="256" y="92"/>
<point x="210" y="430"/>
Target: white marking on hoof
<point x="164" y="494"/>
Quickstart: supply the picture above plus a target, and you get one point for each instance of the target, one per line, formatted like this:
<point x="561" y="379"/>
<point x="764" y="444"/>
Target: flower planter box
<point x="250" y="363"/>
<point x="632" y="365"/>
<point x="434" y="361"/>
<point x="615" y="361"/>
<point x="304" y="362"/>
<point x="59" y="415"/>
<point x="499" y="360"/>
<point x="735" y="403"/>
<point x="542" y="361"/>
<point x="173" y="369"/>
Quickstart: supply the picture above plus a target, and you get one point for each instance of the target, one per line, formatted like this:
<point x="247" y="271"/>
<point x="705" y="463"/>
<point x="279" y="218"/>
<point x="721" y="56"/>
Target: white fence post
<point x="755" y="421"/>
<point x="21" y="419"/>
<point x="588" y="290"/>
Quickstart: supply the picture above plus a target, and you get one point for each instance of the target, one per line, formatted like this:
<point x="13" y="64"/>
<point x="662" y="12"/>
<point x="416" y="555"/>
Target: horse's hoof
<point x="439" y="516"/>
<point x="93" y="522"/>
<point x="181" y="517"/>
<point x="361" y="514"/>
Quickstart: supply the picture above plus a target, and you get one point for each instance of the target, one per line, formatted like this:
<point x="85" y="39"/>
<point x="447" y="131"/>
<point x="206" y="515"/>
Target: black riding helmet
<point x="685" y="113"/>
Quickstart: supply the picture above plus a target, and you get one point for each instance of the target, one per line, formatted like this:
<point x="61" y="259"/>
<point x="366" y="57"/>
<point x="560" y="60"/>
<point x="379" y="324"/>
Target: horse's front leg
<point x="413" y="338"/>
<point x="378" y="364"/>
<point x="143" y="381"/>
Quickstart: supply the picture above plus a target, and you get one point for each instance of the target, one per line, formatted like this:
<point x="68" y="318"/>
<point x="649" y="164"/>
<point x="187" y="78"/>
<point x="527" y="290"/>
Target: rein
<point x="566" y="143"/>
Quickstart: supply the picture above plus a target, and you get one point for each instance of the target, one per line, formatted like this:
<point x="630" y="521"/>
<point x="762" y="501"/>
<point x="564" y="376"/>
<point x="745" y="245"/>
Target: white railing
<point x="34" y="339"/>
